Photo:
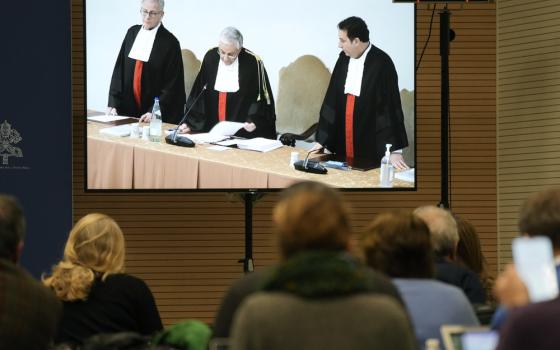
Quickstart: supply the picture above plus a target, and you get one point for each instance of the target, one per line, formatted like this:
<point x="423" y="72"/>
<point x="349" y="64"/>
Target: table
<point x="132" y="163"/>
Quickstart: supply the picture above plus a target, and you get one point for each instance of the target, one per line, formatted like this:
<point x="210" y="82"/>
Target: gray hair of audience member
<point x="232" y="36"/>
<point x="161" y="3"/>
<point x="443" y="229"/>
<point x="540" y="216"/>
<point x="12" y="227"/>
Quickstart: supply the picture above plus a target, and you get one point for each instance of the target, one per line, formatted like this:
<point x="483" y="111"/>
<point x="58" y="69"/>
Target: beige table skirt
<point x="126" y="163"/>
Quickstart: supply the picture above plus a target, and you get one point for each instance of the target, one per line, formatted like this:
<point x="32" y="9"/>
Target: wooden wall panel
<point x="186" y="245"/>
<point x="528" y="91"/>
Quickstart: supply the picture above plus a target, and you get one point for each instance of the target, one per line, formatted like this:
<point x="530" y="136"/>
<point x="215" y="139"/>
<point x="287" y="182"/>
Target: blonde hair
<point x="95" y="247"/>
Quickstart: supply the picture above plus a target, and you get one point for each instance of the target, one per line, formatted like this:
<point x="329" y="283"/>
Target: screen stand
<point x="446" y="35"/>
<point x="249" y="198"/>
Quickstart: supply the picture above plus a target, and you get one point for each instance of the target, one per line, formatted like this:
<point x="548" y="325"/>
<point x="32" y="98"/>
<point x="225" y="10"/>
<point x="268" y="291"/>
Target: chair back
<point x="191" y="67"/>
<point x="301" y="90"/>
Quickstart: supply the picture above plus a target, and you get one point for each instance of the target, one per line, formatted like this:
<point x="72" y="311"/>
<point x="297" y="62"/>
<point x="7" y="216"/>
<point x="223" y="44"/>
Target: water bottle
<point x="155" y="122"/>
<point x="386" y="171"/>
<point x="432" y="344"/>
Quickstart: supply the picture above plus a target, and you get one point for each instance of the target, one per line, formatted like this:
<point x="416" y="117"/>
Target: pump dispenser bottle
<point x="386" y="171"/>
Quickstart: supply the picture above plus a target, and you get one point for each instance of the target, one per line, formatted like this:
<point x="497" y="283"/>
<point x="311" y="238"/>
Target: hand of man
<point x="250" y="127"/>
<point x="146" y="117"/>
<point x="510" y="289"/>
<point x="111" y="111"/>
<point x="397" y="160"/>
<point x="317" y="147"/>
<point x="184" y="128"/>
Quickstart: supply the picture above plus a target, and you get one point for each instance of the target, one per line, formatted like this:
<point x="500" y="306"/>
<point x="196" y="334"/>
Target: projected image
<point x="240" y="95"/>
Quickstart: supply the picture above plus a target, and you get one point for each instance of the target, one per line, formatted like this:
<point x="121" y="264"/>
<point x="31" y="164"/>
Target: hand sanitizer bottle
<point x="386" y="170"/>
<point x="155" y="122"/>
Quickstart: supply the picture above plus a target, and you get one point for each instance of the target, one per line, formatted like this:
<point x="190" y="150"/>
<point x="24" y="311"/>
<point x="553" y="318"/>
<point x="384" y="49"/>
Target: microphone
<point x="183" y="141"/>
<point x="310" y="166"/>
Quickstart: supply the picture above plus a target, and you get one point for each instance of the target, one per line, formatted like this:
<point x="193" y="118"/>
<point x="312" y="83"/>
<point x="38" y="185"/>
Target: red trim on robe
<point x="350" y="99"/>
<point x="137" y="84"/>
<point x="222" y="98"/>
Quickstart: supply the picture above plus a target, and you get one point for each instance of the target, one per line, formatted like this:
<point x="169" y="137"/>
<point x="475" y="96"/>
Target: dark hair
<point x="469" y="252"/>
<point x="398" y="244"/>
<point x="12" y="226"/>
<point x="540" y="216"/>
<point x="311" y="216"/>
<point x="355" y="27"/>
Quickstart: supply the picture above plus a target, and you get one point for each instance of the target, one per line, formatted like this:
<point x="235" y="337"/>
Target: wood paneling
<point x="528" y="107"/>
<point x="186" y="245"/>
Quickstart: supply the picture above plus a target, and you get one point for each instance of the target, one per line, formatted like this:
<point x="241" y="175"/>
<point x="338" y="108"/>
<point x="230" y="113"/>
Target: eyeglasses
<point x="230" y="56"/>
<point x="146" y="13"/>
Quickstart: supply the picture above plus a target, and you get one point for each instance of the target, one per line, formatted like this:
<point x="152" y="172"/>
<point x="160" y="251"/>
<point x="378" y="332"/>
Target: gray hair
<point x="160" y="2"/>
<point x="443" y="229"/>
<point x="231" y="35"/>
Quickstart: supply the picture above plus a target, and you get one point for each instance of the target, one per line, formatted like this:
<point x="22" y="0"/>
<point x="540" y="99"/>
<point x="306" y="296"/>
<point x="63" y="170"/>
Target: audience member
<point x="531" y="326"/>
<point x="445" y="238"/>
<point x="319" y="297"/>
<point x="253" y="282"/>
<point x="398" y="244"/>
<point x="29" y="312"/>
<point x="97" y="296"/>
<point x="469" y="254"/>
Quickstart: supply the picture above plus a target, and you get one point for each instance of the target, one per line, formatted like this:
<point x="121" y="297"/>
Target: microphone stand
<point x="184" y="141"/>
<point x="306" y="166"/>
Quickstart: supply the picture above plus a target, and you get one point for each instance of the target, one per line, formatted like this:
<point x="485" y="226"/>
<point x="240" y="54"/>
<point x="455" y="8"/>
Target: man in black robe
<point x="232" y="85"/>
<point x="362" y="109"/>
<point x="149" y="65"/>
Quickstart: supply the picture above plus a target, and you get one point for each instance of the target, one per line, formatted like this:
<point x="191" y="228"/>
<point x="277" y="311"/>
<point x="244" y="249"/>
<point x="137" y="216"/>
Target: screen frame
<point x="86" y="189"/>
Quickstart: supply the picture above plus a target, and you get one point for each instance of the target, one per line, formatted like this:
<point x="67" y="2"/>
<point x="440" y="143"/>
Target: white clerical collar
<point x="227" y="79"/>
<point x="353" y="83"/>
<point x="143" y="44"/>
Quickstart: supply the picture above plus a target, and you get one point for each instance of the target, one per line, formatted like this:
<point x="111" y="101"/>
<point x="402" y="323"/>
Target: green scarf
<point x="319" y="274"/>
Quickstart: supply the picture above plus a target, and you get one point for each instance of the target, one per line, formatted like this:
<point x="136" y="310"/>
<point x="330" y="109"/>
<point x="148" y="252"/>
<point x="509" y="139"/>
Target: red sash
<point x="222" y="106"/>
<point x="137" y="84"/>
<point x="350" y="99"/>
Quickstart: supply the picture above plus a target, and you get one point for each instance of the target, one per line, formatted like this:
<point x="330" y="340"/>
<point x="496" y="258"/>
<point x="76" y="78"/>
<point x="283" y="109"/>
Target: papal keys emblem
<point x="8" y="138"/>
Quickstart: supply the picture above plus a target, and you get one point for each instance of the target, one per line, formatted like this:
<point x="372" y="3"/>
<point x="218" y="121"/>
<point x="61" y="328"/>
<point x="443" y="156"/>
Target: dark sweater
<point x="254" y="282"/>
<point x="29" y="312"/>
<point x="534" y="326"/>
<point x="461" y="277"/>
<point x="121" y="303"/>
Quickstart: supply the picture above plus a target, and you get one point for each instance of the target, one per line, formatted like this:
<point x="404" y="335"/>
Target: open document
<point x="219" y="132"/>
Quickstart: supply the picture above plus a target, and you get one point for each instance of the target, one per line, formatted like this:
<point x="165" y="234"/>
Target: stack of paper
<point x="407" y="175"/>
<point x="259" y="144"/>
<point x="110" y="119"/>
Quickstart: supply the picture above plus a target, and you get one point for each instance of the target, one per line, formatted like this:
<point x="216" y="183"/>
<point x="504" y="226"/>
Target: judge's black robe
<point x="162" y="76"/>
<point x="248" y="104"/>
<point x="378" y="117"/>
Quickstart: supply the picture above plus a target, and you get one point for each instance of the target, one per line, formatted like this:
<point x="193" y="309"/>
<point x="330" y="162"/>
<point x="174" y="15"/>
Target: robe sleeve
<point x="390" y="124"/>
<point x="196" y="120"/>
<point x="262" y="112"/>
<point x="116" y="87"/>
<point x="327" y="115"/>
<point x="172" y="96"/>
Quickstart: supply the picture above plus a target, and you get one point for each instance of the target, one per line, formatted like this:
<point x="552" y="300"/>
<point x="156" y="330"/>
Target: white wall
<point x="279" y="31"/>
